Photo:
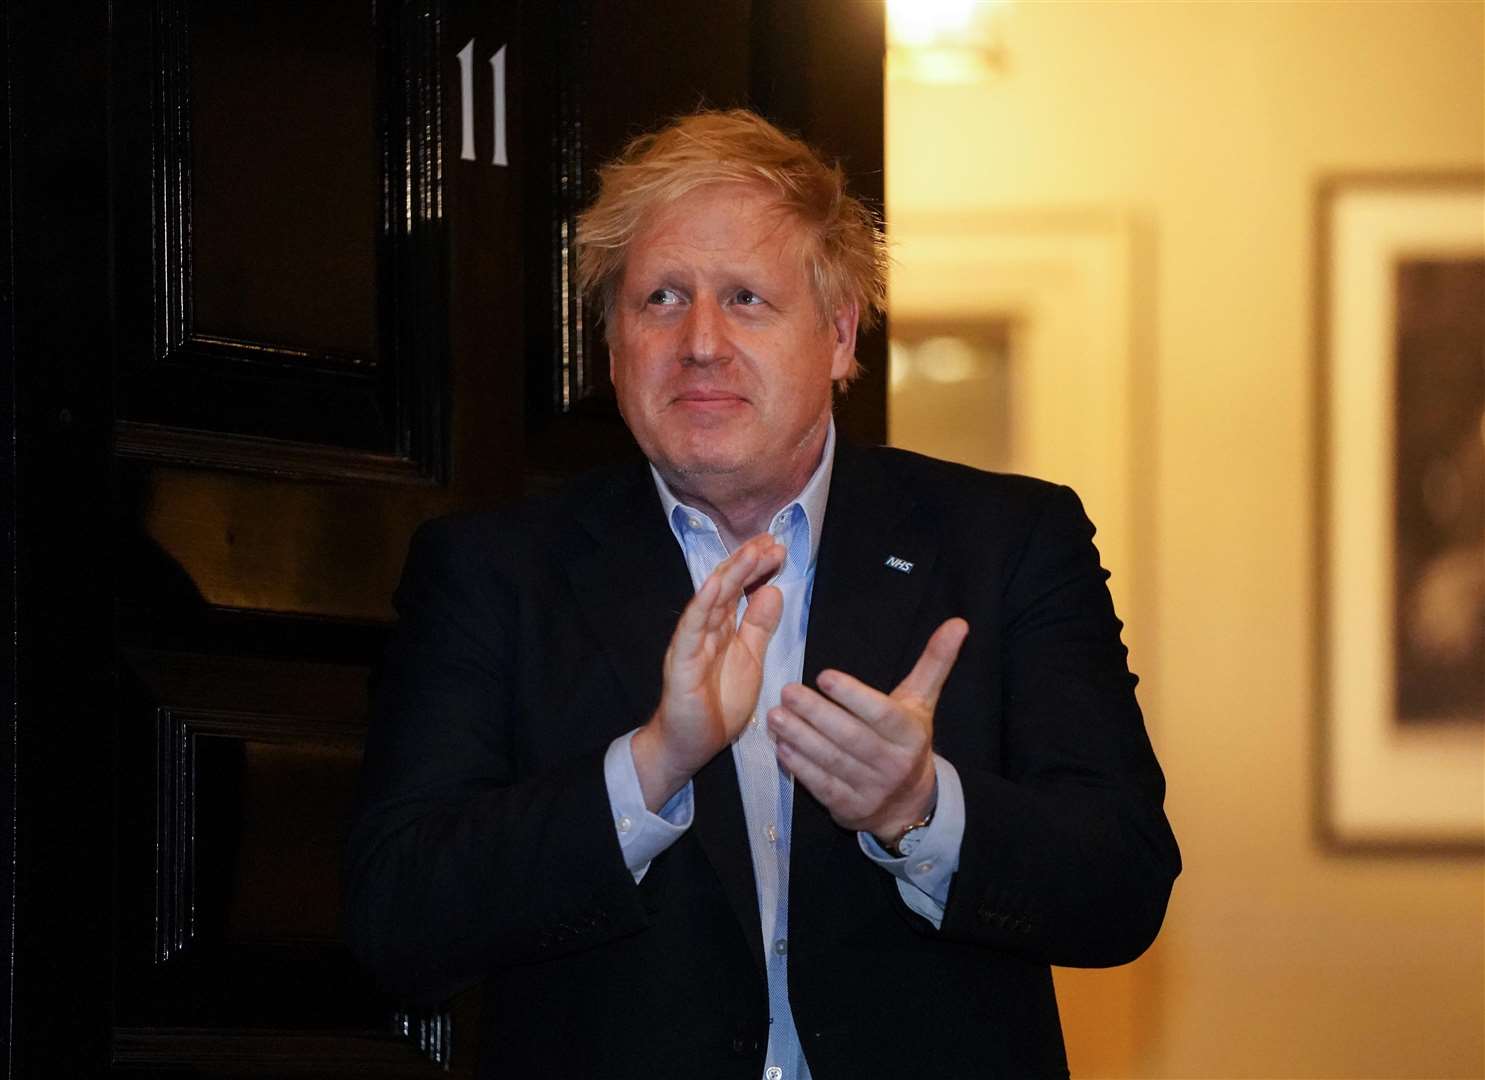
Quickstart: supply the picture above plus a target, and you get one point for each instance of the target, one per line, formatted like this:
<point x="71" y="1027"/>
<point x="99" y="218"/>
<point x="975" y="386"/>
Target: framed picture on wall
<point x="1401" y="512"/>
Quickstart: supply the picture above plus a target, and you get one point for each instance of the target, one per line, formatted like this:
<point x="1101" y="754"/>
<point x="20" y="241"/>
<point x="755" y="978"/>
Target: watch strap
<point x="894" y="846"/>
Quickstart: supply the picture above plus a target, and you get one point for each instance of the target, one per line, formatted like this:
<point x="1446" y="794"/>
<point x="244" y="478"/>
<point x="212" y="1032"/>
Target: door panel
<point x="277" y="178"/>
<point x="235" y="779"/>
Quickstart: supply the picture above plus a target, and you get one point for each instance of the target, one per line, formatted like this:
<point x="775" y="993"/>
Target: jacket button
<point x="738" y="1046"/>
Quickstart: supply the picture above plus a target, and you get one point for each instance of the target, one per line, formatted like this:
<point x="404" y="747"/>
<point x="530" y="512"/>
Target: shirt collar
<point x="811" y="499"/>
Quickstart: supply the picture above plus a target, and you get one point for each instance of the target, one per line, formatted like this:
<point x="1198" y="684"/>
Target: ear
<point x="843" y="348"/>
<point x="610" y="304"/>
<point x="613" y="351"/>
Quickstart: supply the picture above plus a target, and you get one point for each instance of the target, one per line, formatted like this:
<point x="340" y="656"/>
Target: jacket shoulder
<point x="534" y="525"/>
<point x="938" y="482"/>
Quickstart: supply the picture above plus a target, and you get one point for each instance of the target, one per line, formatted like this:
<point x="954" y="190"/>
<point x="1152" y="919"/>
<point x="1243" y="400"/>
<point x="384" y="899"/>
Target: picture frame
<point x="1399" y="642"/>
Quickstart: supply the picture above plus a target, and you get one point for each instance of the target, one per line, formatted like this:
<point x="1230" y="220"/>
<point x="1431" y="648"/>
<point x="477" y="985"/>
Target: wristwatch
<point x="905" y="842"/>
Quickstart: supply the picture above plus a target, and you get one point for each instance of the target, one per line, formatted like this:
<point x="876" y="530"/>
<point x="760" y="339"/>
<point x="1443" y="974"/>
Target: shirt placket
<point x="767" y="792"/>
<point x="773" y="804"/>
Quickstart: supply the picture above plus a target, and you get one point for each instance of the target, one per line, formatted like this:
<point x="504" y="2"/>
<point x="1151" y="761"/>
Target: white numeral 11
<point x="466" y="89"/>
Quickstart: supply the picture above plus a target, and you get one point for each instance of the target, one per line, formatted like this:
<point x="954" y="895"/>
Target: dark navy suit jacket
<point x="530" y="637"/>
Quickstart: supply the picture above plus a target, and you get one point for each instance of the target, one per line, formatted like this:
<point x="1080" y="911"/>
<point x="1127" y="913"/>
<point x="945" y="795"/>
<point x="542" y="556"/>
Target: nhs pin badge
<point x="899" y="564"/>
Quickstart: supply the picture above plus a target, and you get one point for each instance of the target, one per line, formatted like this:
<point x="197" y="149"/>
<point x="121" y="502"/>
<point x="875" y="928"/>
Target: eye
<point x="663" y="296"/>
<point x="748" y="298"/>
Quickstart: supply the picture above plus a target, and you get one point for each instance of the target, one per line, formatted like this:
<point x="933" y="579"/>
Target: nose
<point x="704" y="338"/>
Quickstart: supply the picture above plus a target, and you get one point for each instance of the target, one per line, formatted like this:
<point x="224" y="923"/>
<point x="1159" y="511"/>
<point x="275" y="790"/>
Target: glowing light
<point x="926" y="22"/>
<point x="945" y="41"/>
<point x="947" y="360"/>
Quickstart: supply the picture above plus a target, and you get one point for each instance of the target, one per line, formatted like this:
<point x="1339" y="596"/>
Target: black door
<point x="283" y="279"/>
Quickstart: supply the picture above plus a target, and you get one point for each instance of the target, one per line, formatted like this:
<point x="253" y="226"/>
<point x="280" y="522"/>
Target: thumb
<point x="761" y="618"/>
<point x="928" y="675"/>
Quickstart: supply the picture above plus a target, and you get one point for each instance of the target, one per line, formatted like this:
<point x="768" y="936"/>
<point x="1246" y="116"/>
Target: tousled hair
<point x="844" y="251"/>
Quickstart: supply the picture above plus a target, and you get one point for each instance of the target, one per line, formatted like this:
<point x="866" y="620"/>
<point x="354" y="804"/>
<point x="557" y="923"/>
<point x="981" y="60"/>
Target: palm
<point x="726" y="692"/>
<point x="714" y="667"/>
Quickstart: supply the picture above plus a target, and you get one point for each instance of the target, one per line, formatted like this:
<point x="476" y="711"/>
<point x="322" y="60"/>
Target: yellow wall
<point x="1209" y="126"/>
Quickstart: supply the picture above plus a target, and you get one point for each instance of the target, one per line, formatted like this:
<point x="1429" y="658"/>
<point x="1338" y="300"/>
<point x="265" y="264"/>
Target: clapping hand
<point x="868" y="756"/>
<point x="713" y="671"/>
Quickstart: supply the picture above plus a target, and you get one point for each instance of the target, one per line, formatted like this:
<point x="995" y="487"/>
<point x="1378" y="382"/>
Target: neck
<point x="741" y="510"/>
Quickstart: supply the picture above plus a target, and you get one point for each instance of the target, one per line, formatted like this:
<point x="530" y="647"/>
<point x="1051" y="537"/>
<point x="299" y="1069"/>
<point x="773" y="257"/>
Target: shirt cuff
<point x="923" y="880"/>
<point x="642" y="834"/>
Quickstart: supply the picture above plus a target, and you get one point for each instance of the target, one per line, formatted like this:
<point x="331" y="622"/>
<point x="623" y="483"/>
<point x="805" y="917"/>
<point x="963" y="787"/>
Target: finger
<point x="728" y="579"/>
<point x="790" y="729"/>
<point x="691" y="629"/>
<point x="771" y="556"/>
<point x="834" y="794"/>
<point x="752" y="564"/>
<point x="714" y="606"/>
<point x="868" y="704"/>
<point x="741" y="567"/>
<point x="865" y="739"/>
<point x="926" y="679"/>
<point x="761" y="619"/>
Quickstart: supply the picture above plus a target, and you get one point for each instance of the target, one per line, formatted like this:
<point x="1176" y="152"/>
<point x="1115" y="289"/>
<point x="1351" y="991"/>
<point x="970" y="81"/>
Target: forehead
<point x="719" y="224"/>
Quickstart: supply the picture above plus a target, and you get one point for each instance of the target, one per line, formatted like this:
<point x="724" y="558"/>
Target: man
<point x="779" y="757"/>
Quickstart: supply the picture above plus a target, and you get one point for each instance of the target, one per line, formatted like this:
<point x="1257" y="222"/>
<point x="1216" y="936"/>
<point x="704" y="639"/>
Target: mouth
<point x="708" y="400"/>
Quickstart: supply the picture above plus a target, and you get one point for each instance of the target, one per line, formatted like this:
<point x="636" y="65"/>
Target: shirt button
<point x="924" y="867"/>
<point x="781" y="946"/>
<point x="773" y="1072"/>
<point x="625" y="823"/>
<point x="772" y="833"/>
<point x="694" y="522"/>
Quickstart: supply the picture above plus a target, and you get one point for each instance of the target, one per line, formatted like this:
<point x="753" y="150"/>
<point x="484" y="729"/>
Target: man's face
<point x="721" y="358"/>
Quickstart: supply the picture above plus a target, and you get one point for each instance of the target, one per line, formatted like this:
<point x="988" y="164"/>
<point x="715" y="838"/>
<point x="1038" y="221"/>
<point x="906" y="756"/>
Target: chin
<point x="712" y="464"/>
<point x="708" y="453"/>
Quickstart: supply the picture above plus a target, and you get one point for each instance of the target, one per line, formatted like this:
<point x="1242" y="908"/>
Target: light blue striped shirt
<point x="767" y="790"/>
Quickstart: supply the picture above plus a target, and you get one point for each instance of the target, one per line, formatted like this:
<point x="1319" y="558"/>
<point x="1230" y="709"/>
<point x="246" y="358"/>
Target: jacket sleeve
<point x="455" y="865"/>
<point x="1067" y="857"/>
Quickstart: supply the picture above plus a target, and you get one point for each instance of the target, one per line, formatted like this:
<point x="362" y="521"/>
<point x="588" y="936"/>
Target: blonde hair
<point x="845" y="250"/>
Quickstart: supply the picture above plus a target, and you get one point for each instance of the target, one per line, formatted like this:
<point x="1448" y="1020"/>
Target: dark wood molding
<point x="432" y="1032"/>
<point x="177" y="340"/>
<point x="177" y="732"/>
<point x="572" y="381"/>
<point x="284" y="1052"/>
<point x="414" y="234"/>
<point x="403" y="384"/>
<point x="13" y="619"/>
<point x="162" y="445"/>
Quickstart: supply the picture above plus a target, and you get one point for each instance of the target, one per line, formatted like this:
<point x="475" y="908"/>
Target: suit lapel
<point x="876" y="559"/>
<point x="632" y="585"/>
<point x="875" y="565"/>
<point x="722" y="831"/>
